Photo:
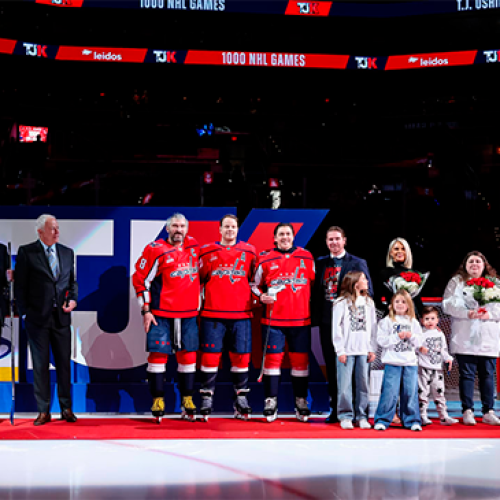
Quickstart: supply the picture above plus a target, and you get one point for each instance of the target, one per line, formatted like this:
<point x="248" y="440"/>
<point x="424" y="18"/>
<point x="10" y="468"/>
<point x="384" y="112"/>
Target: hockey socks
<point x="300" y="386"/>
<point x="156" y="373"/>
<point x="208" y="381"/>
<point x="156" y="383"/>
<point x="271" y="385"/>
<point x="240" y="380"/>
<point x="186" y="368"/>
<point x="239" y="370"/>
<point x="186" y="383"/>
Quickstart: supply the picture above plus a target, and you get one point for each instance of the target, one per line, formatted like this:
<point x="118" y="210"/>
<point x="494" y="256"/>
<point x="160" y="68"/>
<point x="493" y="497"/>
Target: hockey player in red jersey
<point x="167" y="284"/>
<point x="226" y="268"/>
<point x="283" y="282"/>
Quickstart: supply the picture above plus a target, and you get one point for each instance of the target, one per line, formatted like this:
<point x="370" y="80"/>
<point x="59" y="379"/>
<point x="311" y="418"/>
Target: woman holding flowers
<point x="399" y="261"/>
<point x="472" y="299"/>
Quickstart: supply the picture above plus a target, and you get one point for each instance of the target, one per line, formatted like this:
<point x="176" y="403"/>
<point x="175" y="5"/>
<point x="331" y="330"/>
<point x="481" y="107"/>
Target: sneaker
<point x="448" y="420"/>
<point x="426" y="420"/>
<point x="416" y="427"/>
<point x="379" y="427"/>
<point x="346" y="424"/>
<point x="491" y="419"/>
<point x="364" y="424"/>
<point x="468" y="418"/>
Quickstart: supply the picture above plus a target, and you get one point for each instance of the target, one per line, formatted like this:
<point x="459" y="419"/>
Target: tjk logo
<point x="366" y="62"/>
<point x="107" y="325"/>
<point x="492" y="56"/>
<point x="311" y="8"/>
<point x="165" y="56"/>
<point x="35" y="50"/>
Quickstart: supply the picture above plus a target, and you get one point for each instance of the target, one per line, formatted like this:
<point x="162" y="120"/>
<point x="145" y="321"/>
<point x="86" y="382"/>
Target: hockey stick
<point x="265" y="345"/>
<point x="12" y="342"/>
<point x="272" y="292"/>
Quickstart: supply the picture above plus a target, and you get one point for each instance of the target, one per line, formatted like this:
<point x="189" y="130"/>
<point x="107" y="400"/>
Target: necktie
<point x="53" y="262"/>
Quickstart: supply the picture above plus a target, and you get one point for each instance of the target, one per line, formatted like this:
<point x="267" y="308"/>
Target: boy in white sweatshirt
<point x="431" y="356"/>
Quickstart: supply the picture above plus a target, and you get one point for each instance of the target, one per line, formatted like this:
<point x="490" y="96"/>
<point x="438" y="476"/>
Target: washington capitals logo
<point x="231" y="272"/>
<point x="186" y="271"/>
<point x="292" y="281"/>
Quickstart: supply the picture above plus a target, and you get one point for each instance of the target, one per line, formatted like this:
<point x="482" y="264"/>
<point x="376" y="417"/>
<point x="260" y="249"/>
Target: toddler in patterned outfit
<point x="431" y="356"/>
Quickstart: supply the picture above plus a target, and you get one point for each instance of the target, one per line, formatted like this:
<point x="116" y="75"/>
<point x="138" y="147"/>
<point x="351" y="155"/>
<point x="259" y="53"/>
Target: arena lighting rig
<point x="240" y="58"/>
<point x="292" y="8"/>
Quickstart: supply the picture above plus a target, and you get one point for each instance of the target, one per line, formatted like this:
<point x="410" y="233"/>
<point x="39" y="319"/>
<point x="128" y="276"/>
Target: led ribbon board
<point x="291" y="8"/>
<point x="243" y="58"/>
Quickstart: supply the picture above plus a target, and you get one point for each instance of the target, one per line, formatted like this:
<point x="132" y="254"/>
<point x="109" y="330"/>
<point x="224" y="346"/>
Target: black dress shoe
<point x="332" y="419"/>
<point x="42" y="418"/>
<point x="68" y="415"/>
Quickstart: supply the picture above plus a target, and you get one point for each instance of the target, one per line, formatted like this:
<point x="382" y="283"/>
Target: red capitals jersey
<point x="293" y="270"/>
<point x="166" y="277"/>
<point x="226" y="272"/>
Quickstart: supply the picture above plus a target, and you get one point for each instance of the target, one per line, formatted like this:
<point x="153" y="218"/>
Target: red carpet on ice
<point x="225" y="428"/>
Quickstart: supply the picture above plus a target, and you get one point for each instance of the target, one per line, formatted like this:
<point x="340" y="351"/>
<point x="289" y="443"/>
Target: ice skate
<point x="302" y="410"/>
<point x="188" y="408"/>
<point x="207" y="403"/>
<point x="241" y="407"/>
<point x="271" y="409"/>
<point x="158" y="409"/>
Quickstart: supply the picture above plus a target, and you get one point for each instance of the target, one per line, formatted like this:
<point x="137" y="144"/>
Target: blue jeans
<point x="467" y="367"/>
<point x="345" y="411"/>
<point x="399" y="381"/>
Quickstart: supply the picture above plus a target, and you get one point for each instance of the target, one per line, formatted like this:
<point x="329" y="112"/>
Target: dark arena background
<point x="379" y="117"/>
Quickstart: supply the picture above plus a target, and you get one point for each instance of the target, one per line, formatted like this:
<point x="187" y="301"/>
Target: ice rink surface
<point x="357" y="469"/>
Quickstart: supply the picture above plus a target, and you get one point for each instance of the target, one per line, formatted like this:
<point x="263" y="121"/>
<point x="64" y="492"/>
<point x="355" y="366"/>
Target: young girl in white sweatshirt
<point x="354" y="327"/>
<point x="399" y="334"/>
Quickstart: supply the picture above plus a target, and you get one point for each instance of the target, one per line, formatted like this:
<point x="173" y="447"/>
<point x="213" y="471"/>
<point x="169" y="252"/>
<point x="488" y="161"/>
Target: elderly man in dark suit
<point x="330" y="271"/>
<point x="46" y="292"/>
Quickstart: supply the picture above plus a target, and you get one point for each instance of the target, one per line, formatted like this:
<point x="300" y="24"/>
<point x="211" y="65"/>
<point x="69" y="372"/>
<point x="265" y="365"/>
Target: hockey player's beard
<point x="176" y="239"/>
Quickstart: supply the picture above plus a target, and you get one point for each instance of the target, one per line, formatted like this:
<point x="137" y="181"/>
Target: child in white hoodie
<point x="399" y="334"/>
<point x="431" y="357"/>
<point x="354" y="327"/>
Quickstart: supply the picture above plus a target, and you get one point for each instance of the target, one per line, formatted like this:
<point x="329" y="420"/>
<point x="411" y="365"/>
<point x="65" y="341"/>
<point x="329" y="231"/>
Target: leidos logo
<point x="165" y="56"/>
<point x="428" y="62"/>
<point x="102" y="56"/>
<point x="35" y="50"/>
<point x="366" y="62"/>
<point x="308" y="8"/>
<point x="492" y="56"/>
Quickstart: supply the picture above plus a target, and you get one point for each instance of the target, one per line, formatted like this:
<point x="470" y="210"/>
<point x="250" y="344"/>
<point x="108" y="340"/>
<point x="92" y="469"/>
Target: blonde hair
<point x="409" y="303"/>
<point x="408" y="263"/>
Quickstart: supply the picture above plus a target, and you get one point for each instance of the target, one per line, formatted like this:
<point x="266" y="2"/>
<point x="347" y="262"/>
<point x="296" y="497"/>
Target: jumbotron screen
<point x="28" y="133"/>
<point x="249" y="59"/>
<point x="394" y="8"/>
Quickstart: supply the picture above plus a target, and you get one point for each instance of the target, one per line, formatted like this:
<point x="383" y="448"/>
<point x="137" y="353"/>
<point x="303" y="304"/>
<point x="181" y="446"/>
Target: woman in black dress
<point x="399" y="259"/>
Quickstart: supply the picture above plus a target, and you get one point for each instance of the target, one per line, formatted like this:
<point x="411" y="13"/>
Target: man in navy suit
<point x="330" y="271"/>
<point x="46" y="292"/>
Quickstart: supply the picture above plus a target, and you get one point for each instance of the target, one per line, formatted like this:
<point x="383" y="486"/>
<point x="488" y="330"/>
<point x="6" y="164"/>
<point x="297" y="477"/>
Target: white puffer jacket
<point x="470" y="336"/>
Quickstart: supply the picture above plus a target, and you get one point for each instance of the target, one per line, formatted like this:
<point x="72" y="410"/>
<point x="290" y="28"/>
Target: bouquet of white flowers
<point x="411" y="281"/>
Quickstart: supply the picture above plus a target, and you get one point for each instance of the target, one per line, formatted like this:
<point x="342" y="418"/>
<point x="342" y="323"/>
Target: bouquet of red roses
<point x="481" y="291"/>
<point x="411" y="281"/>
